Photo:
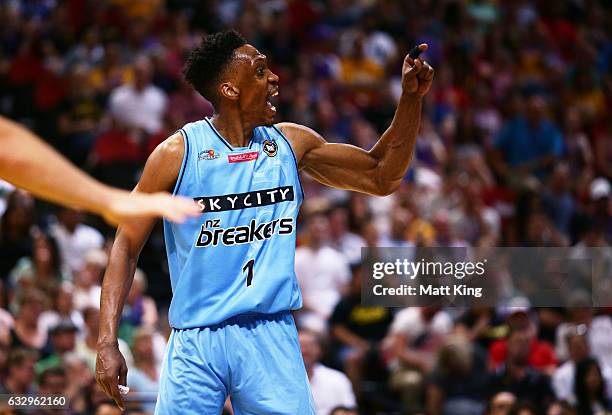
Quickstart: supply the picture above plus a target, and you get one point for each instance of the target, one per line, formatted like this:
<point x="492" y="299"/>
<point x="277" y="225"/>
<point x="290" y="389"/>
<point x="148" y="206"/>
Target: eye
<point x="261" y="71"/>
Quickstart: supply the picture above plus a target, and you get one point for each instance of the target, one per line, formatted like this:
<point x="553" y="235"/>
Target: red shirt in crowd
<point x="541" y="356"/>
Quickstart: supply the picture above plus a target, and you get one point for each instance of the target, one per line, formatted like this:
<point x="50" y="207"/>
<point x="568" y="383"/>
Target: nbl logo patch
<point x="208" y="155"/>
<point x="270" y="148"/>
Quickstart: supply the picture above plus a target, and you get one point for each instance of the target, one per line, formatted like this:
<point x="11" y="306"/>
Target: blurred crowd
<point x="515" y="149"/>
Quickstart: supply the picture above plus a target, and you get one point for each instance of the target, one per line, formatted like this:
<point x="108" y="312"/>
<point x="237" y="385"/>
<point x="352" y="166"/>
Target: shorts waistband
<point x="241" y="319"/>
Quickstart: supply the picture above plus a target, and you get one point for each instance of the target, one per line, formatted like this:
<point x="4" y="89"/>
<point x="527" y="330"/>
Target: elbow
<point x="386" y="188"/>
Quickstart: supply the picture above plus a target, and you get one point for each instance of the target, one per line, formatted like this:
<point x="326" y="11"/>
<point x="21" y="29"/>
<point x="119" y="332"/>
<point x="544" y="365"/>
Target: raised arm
<point x="160" y="174"/>
<point x="380" y="170"/>
<point x="31" y="164"/>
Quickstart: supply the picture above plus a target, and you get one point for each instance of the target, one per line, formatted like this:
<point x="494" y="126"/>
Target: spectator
<point x="517" y="376"/>
<point x="63" y="341"/>
<point x="16" y="224"/>
<point x="88" y="281"/>
<point x="63" y="309"/>
<point x="457" y="384"/>
<point x="52" y="381"/>
<point x="501" y="403"/>
<point x="598" y="329"/>
<point x="140" y="309"/>
<point x="144" y="376"/>
<point x="541" y="355"/>
<point x="529" y="143"/>
<point x="330" y="388"/>
<point x="480" y="324"/>
<point x="79" y="375"/>
<point x="111" y="72"/>
<point x="590" y="388"/>
<point x="20" y="372"/>
<point x="578" y="349"/>
<point x="323" y="274"/>
<point x="342" y="239"/>
<point x="74" y="238"/>
<point x="358" y="331"/>
<point x="356" y="69"/>
<point x="44" y="270"/>
<point x="140" y="104"/>
<point x="27" y="332"/>
<point x="415" y="337"/>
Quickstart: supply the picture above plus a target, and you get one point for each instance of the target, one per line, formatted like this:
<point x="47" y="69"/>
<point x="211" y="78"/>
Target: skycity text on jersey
<point x="245" y="200"/>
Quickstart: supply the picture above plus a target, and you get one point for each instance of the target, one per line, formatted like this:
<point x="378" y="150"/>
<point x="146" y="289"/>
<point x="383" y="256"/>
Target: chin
<point x="268" y="121"/>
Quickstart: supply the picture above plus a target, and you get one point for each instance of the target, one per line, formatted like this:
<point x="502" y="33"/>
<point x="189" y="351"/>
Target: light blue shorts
<point x="253" y="358"/>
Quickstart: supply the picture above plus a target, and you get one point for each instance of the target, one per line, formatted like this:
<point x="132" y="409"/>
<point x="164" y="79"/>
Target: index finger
<point x="415" y="52"/>
<point x="177" y="209"/>
<point x="116" y="395"/>
<point x="111" y="387"/>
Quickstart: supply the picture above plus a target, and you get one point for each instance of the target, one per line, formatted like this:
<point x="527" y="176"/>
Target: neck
<point x="236" y="130"/>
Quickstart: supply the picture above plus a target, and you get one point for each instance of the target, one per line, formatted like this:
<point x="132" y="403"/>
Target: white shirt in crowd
<point x="323" y="275"/>
<point x="563" y="381"/>
<point x="410" y="322"/>
<point x="330" y="389"/>
<point x="87" y="297"/>
<point x="74" y="246"/>
<point x="598" y="335"/>
<point x="143" y="109"/>
<point x="423" y="337"/>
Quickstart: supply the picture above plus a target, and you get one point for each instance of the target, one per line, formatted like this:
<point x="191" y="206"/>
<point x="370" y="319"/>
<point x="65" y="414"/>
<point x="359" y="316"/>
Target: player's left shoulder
<point x="301" y="138"/>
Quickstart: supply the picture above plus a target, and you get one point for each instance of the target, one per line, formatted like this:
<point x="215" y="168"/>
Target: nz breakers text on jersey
<point x="238" y="256"/>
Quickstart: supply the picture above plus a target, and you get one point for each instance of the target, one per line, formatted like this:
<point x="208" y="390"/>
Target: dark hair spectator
<point x="589" y="387"/>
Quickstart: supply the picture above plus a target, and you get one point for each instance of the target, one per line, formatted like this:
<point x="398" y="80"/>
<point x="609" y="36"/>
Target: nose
<point x="272" y="78"/>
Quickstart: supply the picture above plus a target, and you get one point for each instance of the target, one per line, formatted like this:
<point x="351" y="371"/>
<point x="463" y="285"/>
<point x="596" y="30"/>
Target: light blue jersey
<point x="238" y="256"/>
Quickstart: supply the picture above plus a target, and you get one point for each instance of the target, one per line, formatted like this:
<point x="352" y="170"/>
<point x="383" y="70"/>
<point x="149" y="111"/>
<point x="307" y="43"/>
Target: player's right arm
<point x="160" y="174"/>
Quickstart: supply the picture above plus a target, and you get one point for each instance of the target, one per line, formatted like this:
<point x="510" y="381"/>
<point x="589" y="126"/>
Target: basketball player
<point x="29" y="163"/>
<point x="232" y="269"/>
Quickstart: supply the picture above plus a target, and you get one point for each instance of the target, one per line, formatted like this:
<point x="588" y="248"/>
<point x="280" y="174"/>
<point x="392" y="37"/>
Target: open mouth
<point x="271" y="97"/>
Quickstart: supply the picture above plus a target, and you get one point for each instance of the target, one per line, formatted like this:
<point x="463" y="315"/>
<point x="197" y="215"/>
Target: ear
<point x="229" y="91"/>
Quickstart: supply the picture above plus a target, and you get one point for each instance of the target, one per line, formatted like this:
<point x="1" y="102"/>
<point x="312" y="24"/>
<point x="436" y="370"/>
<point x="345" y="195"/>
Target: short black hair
<point x="207" y="62"/>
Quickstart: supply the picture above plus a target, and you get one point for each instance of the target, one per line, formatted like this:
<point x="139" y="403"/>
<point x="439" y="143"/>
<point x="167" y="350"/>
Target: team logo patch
<point x="208" y="155"/>
<point x="270" y="147"/>
<point x="239" y="158"/>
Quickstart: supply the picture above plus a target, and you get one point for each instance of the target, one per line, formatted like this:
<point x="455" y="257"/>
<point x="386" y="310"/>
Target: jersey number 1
<point x="249" y="268"/>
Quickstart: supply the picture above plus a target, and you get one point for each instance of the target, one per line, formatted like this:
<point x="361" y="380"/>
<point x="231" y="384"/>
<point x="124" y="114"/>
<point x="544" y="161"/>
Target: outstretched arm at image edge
<point x="31" y="164"/>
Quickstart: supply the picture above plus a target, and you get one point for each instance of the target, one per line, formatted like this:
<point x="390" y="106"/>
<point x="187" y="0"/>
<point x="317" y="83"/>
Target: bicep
<point x="334" y="164"/>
